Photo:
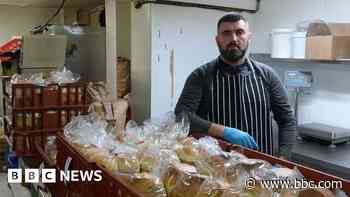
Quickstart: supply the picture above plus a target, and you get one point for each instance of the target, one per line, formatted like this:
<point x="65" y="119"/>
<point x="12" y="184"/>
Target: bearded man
<point x="235" y="98"/>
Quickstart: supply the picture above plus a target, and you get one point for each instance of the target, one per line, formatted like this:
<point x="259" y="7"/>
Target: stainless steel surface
<point x="334" y="161"/>
<point x="324" y="132"/>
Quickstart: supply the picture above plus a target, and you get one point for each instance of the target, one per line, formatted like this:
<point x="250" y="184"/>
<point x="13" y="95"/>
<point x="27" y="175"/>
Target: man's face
<point x="233" y="40"/>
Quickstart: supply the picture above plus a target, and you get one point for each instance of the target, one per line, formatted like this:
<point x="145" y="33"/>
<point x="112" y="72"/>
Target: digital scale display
<point x="298" y="79"/>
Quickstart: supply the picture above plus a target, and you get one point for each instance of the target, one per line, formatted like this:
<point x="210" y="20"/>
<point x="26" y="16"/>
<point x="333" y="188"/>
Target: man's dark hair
<point x="230" y="18"/>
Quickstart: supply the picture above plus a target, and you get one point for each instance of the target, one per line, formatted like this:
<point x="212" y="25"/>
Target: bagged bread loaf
<point x="111" y="164"/>
<point x="94" y="154"/>
<point x="182" y="180"/>
<point x="188" y="154"/>
<point x="149" y="157"/>
<point x="216" y="188"/>
<point x="128" y="163"/>
<point x="146" y="184"/>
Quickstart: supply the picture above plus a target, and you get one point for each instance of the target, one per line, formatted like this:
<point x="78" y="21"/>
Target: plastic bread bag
<point x="165" y="130"/>
<point x="63" y="76"/>
<point x="149" y="157"/>
<point x="231" y="172"/>
<point x="217" y="188"/>
<point x="145" y="184"/>
<point x="164" y="121"/>
<point x="174" y="127"/>
<point x="256" y="167"/>
<point x="110" y="163"/>
<point x="86" y="129"/>
<point x="209" y="147"/>
<point x="204" y="168"/>
<point x="153" y="132"/>
<point x="182" y="180"/>
<point x="181" y="126"/>
<point x="285" y="176"/>
<point x="154" y="159"/>
<point x="177" y="128"/>
<point x="96" y="155"/>
<point x="134" y="134"/>
<point x="167" y="157"/>
<point x="35" y="78"/>
<point x="216" y="161"/>
<point x="158" y="130"/>
<point x="189" y="153"/>
<point x="127" y="158"/>
<point x="236" y="156"/>
<point x="213" y="159"/>
<point x="154" y="163"/>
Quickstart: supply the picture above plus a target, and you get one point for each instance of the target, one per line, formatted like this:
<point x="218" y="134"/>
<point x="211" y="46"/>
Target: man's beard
<point x="232" y="55"/>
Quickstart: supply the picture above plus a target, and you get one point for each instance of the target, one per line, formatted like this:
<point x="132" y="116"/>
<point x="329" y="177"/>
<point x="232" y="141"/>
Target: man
<point x="232" y="97"/>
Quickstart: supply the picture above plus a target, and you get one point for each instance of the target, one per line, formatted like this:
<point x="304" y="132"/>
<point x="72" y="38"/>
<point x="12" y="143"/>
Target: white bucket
<point x="281" y="46"/>
<point x="298" y="45"/>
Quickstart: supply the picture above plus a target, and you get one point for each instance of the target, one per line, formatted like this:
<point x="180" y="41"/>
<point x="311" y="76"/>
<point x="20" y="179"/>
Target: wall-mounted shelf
<point x="265" y="57"/>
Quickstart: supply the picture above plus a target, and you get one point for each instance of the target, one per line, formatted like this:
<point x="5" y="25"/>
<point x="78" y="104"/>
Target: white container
<point x="281" y="45"/>
<point x="298" y="45"/>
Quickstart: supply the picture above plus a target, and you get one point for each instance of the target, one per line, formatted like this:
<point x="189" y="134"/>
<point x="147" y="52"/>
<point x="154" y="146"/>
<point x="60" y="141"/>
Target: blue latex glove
<point x="236" y="136"/>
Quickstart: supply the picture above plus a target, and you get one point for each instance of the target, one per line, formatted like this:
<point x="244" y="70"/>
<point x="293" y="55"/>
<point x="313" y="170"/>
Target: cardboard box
<point x="328" y="41"/>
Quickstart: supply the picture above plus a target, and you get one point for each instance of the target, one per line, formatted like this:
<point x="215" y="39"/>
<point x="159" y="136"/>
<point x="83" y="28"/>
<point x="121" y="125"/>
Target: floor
<point x="14" y="190"/>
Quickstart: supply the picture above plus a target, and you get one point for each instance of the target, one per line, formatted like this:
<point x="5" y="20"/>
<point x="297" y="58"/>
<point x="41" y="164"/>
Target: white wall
<point x="329" y="102"/>
<point x="156" y="30"/>
<point x="190" y="32"/>
<point x="20" y="20"/>
<point x="191" y="36"/>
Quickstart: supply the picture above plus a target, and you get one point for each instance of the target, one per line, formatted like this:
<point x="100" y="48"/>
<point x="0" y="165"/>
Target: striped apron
<point x="240" y="100"/>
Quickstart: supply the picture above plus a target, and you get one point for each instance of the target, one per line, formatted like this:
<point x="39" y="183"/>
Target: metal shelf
<point x="265" y="57"/>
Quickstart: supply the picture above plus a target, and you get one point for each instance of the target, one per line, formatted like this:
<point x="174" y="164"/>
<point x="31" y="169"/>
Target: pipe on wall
<point x="140" y="3"/>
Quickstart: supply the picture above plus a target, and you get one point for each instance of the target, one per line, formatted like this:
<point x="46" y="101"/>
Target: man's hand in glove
<point x="236" y="136"/>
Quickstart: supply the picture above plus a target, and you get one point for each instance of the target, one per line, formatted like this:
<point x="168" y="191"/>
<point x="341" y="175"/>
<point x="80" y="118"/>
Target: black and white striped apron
<point x="241" y="101"/>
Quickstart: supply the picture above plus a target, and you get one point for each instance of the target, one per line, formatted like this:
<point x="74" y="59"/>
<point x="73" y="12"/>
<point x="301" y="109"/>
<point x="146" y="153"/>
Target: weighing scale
<point x="310" y="150"/>
<point x="301" y="83"/>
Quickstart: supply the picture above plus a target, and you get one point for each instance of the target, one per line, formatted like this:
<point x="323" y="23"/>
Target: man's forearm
<point x="203" y="126"/>
<point x="216" y="130"/>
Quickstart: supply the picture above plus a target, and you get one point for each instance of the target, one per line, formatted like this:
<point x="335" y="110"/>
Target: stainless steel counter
<point x="319" y="156"/>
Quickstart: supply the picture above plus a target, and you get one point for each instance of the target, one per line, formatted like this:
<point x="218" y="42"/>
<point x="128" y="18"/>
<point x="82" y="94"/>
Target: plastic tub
<point x="298" y="45"/>
<point x="281" y="43"/>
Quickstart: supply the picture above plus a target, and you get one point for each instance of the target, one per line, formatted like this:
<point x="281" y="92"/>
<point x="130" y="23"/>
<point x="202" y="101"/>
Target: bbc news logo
<point x="50" y="175"/>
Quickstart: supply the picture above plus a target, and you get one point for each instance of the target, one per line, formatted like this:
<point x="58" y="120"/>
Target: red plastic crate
<point x="109" y="186"/>
<point x="24" y="143"/>
<point x="112" y="186"/>
<point x="78" y="162"/>
<point x="31" y="96"/>
<point x="34" y="110"/>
